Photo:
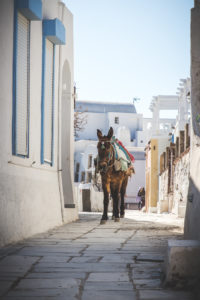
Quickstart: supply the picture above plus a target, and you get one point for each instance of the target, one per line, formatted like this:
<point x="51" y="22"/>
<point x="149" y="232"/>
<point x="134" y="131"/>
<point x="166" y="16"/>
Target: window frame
<point x="15" y="82"/>
<point x="90" y="161"/>
<point x="83" y="176"/>
<point x="116" y="120"/>
<point x="43" y="160"/>
<point x="76" y="176"/>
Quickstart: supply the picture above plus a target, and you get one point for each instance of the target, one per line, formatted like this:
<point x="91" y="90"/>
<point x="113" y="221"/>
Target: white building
<point x="36" y="117"/>
<point x="163" y="126"/>
<point x="105" y="115"/>
<point x="128" y="128"/>
<point x="184" y="105"/>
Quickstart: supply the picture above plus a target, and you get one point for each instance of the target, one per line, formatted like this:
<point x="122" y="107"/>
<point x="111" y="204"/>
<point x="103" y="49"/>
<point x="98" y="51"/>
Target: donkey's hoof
<point x="117" y="219"/>
<point x="122" y="216"/>
<point x="113" y="217"/>
<point x="102" y="222"/>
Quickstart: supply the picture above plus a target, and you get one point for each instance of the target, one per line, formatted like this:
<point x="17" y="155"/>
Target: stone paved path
<point x="87" y="261"/>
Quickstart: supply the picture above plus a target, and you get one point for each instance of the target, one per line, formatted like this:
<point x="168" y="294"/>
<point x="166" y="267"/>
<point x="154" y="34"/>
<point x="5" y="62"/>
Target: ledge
<point x="31" y="9"/>
<point x="54" y="31"/>
<point x="182" y="260"/>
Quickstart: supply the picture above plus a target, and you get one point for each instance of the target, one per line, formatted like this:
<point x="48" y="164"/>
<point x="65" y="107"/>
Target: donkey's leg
<point x="105" y="206"/>
<point x="113" y="201"/>
<point x="113" y="216"/>
<point x="115" y="196"/>
<point x="122" y="204"/>
<point x="117" y="199"/>
<point x="122" y="193"/>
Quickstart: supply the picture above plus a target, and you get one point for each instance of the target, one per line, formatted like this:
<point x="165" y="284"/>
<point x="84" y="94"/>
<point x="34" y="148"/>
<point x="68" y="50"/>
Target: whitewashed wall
<point x="31" y="198"/>
<point x="136" y="181"/>
<point x="104" y="121"/>
<point x="83" y="149"/>
<point x="96" y="198"/>
<point x="94" y="121"/>
<point x="132" y="121"/>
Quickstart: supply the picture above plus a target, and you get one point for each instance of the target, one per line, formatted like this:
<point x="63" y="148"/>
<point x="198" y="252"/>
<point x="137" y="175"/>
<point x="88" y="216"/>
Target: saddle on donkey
<point x="123" y="158"/>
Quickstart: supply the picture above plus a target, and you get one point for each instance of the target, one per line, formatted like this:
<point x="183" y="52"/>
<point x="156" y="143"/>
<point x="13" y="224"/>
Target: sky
<point x="126" y="49"/>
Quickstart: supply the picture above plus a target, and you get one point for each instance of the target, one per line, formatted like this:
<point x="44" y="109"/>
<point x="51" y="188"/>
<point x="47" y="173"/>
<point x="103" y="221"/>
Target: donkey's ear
<point x="110" y="133"/>
<point x="99" y="133"/>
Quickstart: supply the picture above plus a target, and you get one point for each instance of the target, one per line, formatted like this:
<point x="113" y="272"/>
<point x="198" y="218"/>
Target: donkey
<point x="113" y="182"/>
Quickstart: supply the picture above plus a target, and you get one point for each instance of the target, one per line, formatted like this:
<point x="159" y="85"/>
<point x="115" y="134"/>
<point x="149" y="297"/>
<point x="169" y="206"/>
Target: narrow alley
<point x="84" y="260"/>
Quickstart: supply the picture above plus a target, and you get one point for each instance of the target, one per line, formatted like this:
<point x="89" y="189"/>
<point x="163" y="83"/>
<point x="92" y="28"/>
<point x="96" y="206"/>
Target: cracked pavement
<point x="84" y="260"/>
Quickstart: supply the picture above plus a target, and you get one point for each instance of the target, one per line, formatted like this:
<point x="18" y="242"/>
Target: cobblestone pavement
<point x="87" y="261"/>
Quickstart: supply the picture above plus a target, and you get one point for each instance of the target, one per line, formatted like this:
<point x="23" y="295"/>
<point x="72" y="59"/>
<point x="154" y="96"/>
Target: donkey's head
<point x="105" y="149"/>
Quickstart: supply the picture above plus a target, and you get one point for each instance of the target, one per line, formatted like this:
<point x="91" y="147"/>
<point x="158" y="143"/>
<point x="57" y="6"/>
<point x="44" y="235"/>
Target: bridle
<point x="109" y="159"/>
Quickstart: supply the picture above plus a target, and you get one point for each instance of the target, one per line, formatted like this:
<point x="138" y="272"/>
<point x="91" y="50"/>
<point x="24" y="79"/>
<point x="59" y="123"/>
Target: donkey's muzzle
<point x="103" y="166"/>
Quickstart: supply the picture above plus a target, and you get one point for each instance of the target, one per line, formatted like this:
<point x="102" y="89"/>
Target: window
<point x="82" y="176"/>
<point x="89" y="176"/>
<point x="116" y="120"/>
<point x="47" y="102"/>
<point x="77" y="167"/>
<point x="77" y="172"/>
<point x="89" y="161"/>
<point x="53" y="34"/>
<point x="21" y="86"/>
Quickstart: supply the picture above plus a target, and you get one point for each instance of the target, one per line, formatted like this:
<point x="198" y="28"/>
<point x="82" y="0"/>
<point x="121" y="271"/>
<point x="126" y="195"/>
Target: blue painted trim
<point x="42" y="102"/>
<point x="31" y="9"/>
<point x="28" y="99"/>
<point x="14" y="81"/>
<point x="53" y="108"/>
<point x="54" y="30"/>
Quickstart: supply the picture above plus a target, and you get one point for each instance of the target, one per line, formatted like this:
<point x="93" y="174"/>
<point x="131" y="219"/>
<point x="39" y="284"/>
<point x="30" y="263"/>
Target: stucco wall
<point x="132" y="121"/>
<point x="29" y="202"/>
<point x="163" y="202"/>
<point x="31" y="199"/>
<point x="66" y="112"/>
<point x="154" y="176"/>
<point x="96" y="198"/>
<point x="83" y="149"/>
<point x="104" y="121"/>
<point x="136" y="181"/>
<point x="97" y="201"/>
<point x="94" y="121"/>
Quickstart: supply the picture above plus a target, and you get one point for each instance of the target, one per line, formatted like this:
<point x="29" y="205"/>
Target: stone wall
<point x="181" y="184"/>
<point x="174" y="186"/>
<point x="174" y="175"/>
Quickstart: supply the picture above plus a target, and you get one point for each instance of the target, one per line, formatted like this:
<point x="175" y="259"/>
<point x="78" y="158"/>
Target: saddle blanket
<point x="123" y="158"/>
